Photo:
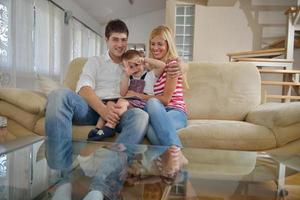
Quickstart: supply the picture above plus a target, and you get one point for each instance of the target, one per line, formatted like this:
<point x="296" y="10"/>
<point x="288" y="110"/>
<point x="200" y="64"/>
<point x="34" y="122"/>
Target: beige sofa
<point x="224" y="102"/>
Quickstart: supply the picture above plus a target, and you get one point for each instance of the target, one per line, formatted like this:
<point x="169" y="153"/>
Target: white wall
<point x="243" y="26"/>
<point x="80" y="14"/>
<point x="140" y="26"/>
<point x="220" y="30"/>
<point x="226" y="26"/>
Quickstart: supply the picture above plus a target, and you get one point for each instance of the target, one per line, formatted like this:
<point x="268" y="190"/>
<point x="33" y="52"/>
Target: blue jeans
<point x="64" y="108"/>
<point x="163" y="123"/>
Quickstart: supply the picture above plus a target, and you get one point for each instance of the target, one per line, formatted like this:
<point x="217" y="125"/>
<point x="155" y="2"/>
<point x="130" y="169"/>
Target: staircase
<point x="275" y="58"/>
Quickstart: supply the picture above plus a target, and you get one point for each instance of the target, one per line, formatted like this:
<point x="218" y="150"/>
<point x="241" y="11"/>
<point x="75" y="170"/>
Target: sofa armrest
<point x="27" y="100"/>
<point x="275" y="114"/>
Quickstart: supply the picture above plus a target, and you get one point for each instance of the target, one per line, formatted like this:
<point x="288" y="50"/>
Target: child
<point x="135" y="78"/>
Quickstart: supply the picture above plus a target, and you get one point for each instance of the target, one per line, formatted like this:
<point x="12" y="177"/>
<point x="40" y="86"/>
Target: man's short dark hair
<point x="116" y="26"/>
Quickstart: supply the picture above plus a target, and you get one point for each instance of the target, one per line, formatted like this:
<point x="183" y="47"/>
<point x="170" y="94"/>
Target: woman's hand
<point x="174" y="67"/>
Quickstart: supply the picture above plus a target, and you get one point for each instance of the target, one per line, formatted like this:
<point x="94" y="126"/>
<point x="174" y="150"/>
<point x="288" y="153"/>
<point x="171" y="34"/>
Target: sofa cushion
<point x="25" y="119"/>
<point x="14" y="130"/>
<point x="275" y="114"/>
<point x="219" y="164"/>
<point x="6" y="135"/>
<point x="74" y="72"/>
<point x="226" y="134"/>
<point x="287" y="134"/>
<point x="47" y="85"/>
<point x="79" y="132"/>
<point x="222" y="90"/>
<point x="30" y="101"/>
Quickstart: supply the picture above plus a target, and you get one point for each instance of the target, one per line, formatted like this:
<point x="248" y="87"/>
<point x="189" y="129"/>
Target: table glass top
<point x="209" y="174"/>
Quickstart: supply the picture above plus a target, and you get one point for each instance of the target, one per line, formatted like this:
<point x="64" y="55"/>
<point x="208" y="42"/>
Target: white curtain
<point x="98" y="45"/>
<point x="85" y="43"/>
<point x="48" y="42"/>
<point x="76" y="39"/>
<point x="5" y="72"/>
<point x="34" y="40"/>
<point x="19" y="58"/>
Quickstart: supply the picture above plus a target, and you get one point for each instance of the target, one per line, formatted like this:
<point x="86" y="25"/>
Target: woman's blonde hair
<point x="166" y="33"/>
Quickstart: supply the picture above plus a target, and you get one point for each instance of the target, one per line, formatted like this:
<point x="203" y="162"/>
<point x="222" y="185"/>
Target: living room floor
<point x="154" y="191"/>
<point x="292" y="185"/>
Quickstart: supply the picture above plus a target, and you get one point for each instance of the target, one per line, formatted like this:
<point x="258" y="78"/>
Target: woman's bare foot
<point x="168" y="162"/>
<point x="182" y="159"/>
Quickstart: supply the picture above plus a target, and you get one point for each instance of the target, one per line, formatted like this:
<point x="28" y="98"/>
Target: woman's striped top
<point x="177" y="100"/>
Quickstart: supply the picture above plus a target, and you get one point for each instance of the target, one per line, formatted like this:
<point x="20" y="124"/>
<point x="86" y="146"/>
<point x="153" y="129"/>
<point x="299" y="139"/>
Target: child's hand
<point x="173" y="67"/>
<point x="128" y="68"/>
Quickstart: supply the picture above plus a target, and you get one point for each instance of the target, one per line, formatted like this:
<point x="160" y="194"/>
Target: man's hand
<point x="110" y="114"/>
<point x="174" y="67"/>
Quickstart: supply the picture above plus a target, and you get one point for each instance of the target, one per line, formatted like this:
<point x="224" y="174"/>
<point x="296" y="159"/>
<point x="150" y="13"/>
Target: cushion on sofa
<point x="6" y="136"/>
<point x="79" y="132"/>
<point x="30" y="101"/>
<point x="219" y="165"/>
<point x="74" y="72"/>
<point x="287" y="134"/>
<point x="275" y="114"/>
<point x="227" y="134"/>
<point x="25" y="119"/>
<point x="47" y="85"/>
<point x="14" y="130"/>
<point x="222" y="90"/>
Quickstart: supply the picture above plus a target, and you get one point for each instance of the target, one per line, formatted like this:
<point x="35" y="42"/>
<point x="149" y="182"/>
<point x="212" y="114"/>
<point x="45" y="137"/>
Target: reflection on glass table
<point x="210" y="174"/>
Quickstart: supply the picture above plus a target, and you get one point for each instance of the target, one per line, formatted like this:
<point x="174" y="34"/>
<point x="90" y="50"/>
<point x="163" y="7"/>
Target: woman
<point x="167" y="110"/>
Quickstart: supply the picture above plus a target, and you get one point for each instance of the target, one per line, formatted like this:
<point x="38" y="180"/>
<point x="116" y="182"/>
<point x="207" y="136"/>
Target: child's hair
<point x="116" y="26"/>
<point x="166" y="33"/>
<point x="129" y="54"/>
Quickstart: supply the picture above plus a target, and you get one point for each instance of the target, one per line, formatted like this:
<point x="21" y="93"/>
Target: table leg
<point x="281" y="191"/>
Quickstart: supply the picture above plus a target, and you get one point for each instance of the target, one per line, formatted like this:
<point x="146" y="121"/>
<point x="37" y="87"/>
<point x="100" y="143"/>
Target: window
<point x="5" y="73"/>
<point x="4" y="32"/>
<point x="184" y="35"/>
<point x="3" y="177"/>
<point x="85" y="42"/>
<point x="48" y="43"/>
<point x="34" y="39"/>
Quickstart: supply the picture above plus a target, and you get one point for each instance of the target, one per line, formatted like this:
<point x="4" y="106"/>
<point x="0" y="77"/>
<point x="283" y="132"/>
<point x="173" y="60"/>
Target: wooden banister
<point x="279" y="71"/>
<point x="282" y="97"/>
<point x="277" y="51"/>
<point x="264" y="60"/>
<point x="280" y="83"/>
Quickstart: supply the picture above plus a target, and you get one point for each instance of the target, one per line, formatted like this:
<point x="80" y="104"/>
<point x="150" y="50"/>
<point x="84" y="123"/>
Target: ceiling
<point x="104" y="10"/>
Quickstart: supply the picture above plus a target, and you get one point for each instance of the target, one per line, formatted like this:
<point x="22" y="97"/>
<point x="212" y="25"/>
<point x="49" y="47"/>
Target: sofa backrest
<point x="217" y="90"/>
<point x="73" y="73"/>
<point x="222" y="90"/>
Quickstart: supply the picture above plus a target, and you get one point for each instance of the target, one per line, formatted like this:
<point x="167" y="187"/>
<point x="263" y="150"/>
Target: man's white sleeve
<point x="88" y="74"/>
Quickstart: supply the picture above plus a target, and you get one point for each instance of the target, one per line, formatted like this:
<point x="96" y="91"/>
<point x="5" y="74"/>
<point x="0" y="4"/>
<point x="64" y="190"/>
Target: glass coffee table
<point x="210" y="174"/>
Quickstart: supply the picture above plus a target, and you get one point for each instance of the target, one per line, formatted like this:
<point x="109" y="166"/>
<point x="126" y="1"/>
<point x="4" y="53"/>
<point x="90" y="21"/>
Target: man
<point x="99" y="80"/>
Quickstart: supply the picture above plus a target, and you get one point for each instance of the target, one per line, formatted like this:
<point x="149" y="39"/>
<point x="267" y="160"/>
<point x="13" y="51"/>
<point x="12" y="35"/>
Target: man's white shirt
<point x="102" y="75"/>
